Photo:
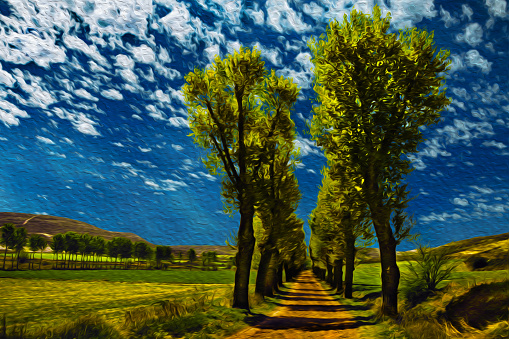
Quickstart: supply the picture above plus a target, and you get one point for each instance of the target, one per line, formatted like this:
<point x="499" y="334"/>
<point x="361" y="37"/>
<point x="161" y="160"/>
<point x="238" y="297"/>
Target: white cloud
<point x="124" y="61"/>
<point x="467" y="12"/>
<point x="130" y="168"/>
<point x="177" y="147"/>
<point x="307" y="146"/>
<point x="85" y="95"/>
<point x="112" y="94"/>
<point x="144" y="150"/>
<point x="474" y="59"/>
<point x="313" y="10"/>
<point x="460" y="202"/>
<point x="283" y="18"/>
<point x="129" y="76"/>
<point x="45" y="140"/>
<point x="9" y="113"/>
<point x="257" y="16"/>
<point x="118" y="144"/>
<point x="178" y="122"/>
<point x="496" y="8"/>
<point x="6" y="78"/>
<point x="271" y="54"/>
<point x="211" y="52"/>
<point x="160" y="96"/>
<point x="446" y="17"/>
<point x="472" y="35"/>
<point x="76" y="43"/>
<point x="144" y="54"/>
<point x="483" y="190"/>
<point x="493" y="143"/>
<point x="165" y="185"/>
<point x="177" y="22"/>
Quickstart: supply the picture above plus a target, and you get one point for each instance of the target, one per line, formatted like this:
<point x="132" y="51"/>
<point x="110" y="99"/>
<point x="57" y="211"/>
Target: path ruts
<point x="306" y="311"/>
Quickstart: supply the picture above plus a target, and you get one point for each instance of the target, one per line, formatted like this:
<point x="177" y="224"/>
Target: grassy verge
<point x="431" y="318"/>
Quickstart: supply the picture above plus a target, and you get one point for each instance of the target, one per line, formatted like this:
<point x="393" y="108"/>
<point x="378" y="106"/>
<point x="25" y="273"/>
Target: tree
<point x="113" y="249"/>
<point x="125" y="249"/>
<point x="19" y="242"/>
<point x="58" y="245"/>
<point x="141" y="251"/>
<point x="98" y="247"/>
<point x="374" y="93"/>
<point x="226" y="106"/>
<point x="36" y="243"/>
<point x="163" y="253"/>
<point x="85" y="246"/>
<point x="7" y="239"/>
<point x="191" y="254"/>
<point x="72" y="246"/>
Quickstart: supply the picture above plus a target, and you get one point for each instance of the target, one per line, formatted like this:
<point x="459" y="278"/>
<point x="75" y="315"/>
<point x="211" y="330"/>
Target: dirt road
<point x="306" y="311"/>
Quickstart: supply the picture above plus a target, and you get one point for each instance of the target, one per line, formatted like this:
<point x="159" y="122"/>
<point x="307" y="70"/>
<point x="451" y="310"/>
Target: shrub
<point x="430" y="269"/>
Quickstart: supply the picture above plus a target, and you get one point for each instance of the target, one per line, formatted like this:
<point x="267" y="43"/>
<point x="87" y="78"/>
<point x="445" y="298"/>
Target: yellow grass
<point x="48" y="302"/>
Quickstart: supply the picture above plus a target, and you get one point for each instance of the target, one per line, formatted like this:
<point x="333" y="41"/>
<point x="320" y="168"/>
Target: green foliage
<point x="430" y="268"/>
<point x="191" y="254"/>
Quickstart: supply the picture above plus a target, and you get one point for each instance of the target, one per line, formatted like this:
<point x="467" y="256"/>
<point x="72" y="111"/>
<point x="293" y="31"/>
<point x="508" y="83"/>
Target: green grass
<point x="149" y="276"/>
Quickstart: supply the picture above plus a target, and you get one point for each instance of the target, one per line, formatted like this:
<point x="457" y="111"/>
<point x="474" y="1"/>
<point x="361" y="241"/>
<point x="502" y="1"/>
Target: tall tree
<point x="58" y="245"/>
<point x="226" y="110"/>
<point x="19" y="242"/>
<point x="98" y="247"/>
<point x="7" y="239"/>
<point x="374" y="93"/>
<point x="36" y="242"/>
<point x="72" y="246"/>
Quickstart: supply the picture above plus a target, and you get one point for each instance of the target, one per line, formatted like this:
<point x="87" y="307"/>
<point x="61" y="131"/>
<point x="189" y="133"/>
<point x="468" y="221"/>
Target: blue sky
<point x="93" y="124"/>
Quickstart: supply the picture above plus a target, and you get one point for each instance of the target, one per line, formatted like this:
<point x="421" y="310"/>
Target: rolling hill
<point x="47" y="226"/>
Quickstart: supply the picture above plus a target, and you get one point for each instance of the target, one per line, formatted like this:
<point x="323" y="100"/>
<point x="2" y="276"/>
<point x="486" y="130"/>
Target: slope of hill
<point x="47" y="226"/>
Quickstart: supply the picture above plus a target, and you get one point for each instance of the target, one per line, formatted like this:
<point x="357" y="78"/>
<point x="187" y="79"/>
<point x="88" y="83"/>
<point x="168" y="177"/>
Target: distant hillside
<point x="491" y="246"/>
<point x="48" y="226"/>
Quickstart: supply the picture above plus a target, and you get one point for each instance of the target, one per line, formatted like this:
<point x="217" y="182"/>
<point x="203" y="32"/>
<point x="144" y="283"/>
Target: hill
<point x="47" y="226"/>
<point x="494" y="247"/>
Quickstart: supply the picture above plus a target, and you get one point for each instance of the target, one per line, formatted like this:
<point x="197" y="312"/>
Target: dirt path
<point x="306" y="311"/>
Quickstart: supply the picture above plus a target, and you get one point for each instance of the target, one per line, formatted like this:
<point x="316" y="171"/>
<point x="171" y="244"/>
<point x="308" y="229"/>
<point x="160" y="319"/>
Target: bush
<point x="430" y="269"/>
<point x="482" y="304"/>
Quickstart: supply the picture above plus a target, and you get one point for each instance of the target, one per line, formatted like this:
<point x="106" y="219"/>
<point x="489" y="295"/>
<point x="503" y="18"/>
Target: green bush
<point x="431" y="267"/>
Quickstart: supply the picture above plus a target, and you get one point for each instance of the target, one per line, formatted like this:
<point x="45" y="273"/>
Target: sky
<point x="93" y="124"/>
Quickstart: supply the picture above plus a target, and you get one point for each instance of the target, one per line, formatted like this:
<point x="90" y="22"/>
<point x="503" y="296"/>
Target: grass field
<point x="48" y="298"/>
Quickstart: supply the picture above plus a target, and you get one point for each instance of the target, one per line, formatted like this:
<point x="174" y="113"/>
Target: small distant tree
<point x="85" y="246"/>
<point x="191" y="254"/>
<point x="7" y="239"/>
<point x="58" y="245"/>
<point x="98" y="247"/>
<point x="141" y="251"/>
<point x="113" y="249"/>
<point x="125" y="249"/>
<point x="36" y="243"/>
<point x="163" y="253"/>
<point x="20" y="240"/>
<point x="71" y="246"/>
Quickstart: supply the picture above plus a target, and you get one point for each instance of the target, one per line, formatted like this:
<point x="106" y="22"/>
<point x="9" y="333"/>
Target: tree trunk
<point x="279" y="276"/>
<point x="349" y="266"/>
<point x="40" y="262"/>
<point x="329" y="270"/>
<point x="390" y="271"/>
<point x="261" y="274"/>
<point x="5" y="256"/>
<point x="338" y="276"/>
<point x="246" y="242"/>
<point x="271" y="279"/>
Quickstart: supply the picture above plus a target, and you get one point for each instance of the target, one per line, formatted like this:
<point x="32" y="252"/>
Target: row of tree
<point x="375" y="94"/>
<point x="240" y="114"/>
<point x="91" y="249"/>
